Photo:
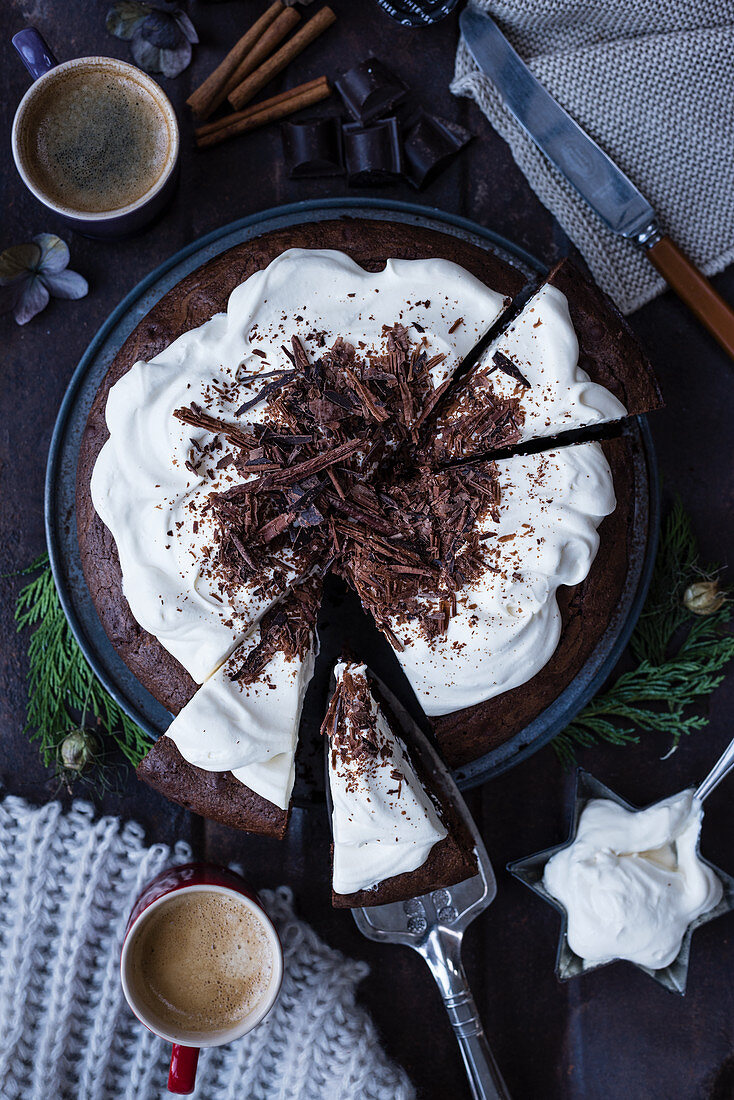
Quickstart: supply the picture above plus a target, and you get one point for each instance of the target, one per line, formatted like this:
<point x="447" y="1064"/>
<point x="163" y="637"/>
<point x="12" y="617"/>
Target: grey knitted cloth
<point x="652" y="81"/>
<point x="67" y="884"/>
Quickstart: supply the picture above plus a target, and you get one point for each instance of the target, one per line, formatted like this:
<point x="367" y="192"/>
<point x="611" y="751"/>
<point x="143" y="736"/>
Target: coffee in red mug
<point x="201" y="963"/>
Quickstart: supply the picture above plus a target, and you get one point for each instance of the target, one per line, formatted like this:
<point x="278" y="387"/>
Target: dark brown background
<point x="614" y="1033"/>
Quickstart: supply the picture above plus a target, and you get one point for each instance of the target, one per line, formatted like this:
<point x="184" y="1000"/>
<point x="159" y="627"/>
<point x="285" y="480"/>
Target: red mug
<point x="191" y="878"/>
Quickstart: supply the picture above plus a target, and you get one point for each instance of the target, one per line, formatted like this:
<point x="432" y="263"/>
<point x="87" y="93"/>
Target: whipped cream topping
<point x="632" y="881"/>
<point x="154" y="475"/>
<point x="383" y="821"/>
<point x="541" y="343"/>
<point x="507" y="622"/>
<point x="250" y="729"/>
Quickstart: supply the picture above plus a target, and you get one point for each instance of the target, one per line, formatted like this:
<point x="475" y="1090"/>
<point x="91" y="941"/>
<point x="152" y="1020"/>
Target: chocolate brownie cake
<point x="395" y="837"/>
<point x="229" y="457"/>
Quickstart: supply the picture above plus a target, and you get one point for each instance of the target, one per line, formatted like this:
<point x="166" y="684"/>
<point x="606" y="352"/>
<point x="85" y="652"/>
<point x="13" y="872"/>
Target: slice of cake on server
<point x="395" y="837"/>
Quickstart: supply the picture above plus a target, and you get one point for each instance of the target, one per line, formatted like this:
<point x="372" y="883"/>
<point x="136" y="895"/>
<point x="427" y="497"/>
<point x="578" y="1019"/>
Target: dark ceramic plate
<point x="341" y="620"/>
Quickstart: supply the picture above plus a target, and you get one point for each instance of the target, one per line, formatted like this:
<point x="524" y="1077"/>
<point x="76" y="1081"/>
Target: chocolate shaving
<point x="508" y="367"/>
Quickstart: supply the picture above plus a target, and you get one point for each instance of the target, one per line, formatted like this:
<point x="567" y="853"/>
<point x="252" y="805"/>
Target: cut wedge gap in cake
<point x="566" y="361"/>
<point x="229" y="754"/>
<point x="394" y="835"/>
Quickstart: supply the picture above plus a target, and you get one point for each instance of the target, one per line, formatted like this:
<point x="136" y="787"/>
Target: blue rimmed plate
<point x="60" y="513"/>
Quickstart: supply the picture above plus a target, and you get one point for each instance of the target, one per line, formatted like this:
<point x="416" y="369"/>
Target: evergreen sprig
<point x="681" y="657"/>
<point x="61" y="685"/>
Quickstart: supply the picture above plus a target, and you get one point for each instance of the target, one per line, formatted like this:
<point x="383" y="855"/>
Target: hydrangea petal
<point x="18" y="261"/>
<point x="161" y="30"/>
<point x="175" y="61"/>
<point x="32" y="299"/>
<point x="124" y="18"/>
<point x="65" y="284"/>
<point x="145" y="54"/>
<point x="54" y="253"/>
<point x="187" y="26"/>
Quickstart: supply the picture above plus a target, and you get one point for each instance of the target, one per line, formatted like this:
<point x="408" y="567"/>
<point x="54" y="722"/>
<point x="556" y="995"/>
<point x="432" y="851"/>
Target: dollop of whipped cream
<point x="154" y="475"/>
<point x="507" y="622"/>
<point x="632" y="881"/>
<point x="383" y="821"/>
<point x="557" y="395"/>
<point x="250" y="729"/>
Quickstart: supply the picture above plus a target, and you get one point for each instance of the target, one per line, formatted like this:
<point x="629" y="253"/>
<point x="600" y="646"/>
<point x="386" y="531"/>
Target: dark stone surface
<point x="614" y="1033"/>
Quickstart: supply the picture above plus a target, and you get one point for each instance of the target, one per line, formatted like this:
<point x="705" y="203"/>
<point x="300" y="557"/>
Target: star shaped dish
<point x="568" y="964"/>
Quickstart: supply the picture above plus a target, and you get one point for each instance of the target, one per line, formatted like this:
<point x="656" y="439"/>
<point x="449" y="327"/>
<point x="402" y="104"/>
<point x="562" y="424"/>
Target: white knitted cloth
<point x="652" y="81"/>
<point x="67" y="884"/>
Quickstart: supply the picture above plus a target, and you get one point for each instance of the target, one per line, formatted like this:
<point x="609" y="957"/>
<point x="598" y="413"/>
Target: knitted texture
<point x="650" y="81"/>
<point x="68" y="884"/>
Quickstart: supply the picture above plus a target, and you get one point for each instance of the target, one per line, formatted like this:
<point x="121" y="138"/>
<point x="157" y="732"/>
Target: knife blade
<point x="596" y="178"/>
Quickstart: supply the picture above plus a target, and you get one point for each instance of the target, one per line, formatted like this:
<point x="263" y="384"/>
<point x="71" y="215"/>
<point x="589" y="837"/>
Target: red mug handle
<point x="182" y="1074"/>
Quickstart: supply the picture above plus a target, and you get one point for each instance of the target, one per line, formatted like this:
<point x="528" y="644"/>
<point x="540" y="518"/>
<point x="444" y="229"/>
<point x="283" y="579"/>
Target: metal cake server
<point x="599" y="181"/>
<point x="434" y="924"/>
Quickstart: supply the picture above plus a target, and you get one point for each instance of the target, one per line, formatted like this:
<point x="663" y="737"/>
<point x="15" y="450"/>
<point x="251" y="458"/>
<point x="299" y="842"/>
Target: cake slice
<point x="394" y="836"/>
<point x="567" y="361"/>
<point x="230" y="752"/>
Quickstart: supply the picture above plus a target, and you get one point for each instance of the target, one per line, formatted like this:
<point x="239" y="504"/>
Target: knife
<point x="610" y="194"/>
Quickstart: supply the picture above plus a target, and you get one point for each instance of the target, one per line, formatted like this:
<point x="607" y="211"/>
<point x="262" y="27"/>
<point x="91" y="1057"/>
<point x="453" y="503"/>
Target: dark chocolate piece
<point x="370" y="89"/>
<point x="373" y="154"/>
<point x="313" y="148"/>
<point x="429" y="146"/>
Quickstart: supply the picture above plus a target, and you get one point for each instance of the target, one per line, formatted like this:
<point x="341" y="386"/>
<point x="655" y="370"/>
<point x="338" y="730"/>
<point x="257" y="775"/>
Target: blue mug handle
<point x="34" y="52"/>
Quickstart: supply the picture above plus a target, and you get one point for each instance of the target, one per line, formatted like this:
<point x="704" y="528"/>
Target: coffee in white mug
<point x="200" y="963"/>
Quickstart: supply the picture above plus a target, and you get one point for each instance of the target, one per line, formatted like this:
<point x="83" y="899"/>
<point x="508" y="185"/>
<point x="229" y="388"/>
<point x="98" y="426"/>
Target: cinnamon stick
<point x="252" y="84"/>
<point x="205" y="99"/>
<point x="255" y="108"/>
<point x="274" y="35"/>
<point x="260" y="114"/>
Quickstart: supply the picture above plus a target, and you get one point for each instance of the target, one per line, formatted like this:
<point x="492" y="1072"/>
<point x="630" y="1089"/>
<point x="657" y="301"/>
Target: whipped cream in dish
<point x="533" y="367"/>
<point x="631" y="882"/>
<point x="384" y="823"/>
<point x="155" y="474"/>
<point x="507" y="623"/>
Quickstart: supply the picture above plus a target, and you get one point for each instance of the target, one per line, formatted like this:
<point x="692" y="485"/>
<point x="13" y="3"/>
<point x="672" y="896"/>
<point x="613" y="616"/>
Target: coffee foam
<point x="201" y="963"/>
<point x="95" y="139"/>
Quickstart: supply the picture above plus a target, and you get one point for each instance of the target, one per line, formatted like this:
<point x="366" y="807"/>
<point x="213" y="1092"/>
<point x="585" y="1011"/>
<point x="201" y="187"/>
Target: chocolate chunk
<point x="429" y="146"/>
<point x="370" y="89"/>
<point x="373" y="154"/>
<point x="313" y="148"/>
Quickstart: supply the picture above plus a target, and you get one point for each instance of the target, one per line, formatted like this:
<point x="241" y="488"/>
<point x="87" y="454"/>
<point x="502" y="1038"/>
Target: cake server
<point x="434" y="924"/>
<point x="610" y="194"/>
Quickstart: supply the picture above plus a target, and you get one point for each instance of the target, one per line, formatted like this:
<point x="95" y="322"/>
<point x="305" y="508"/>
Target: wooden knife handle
<point x="695" y="290"/>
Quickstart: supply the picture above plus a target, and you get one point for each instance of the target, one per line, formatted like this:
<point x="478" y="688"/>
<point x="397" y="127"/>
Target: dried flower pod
<point x="78" y="750"/>
<point x="704" y="598"/>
